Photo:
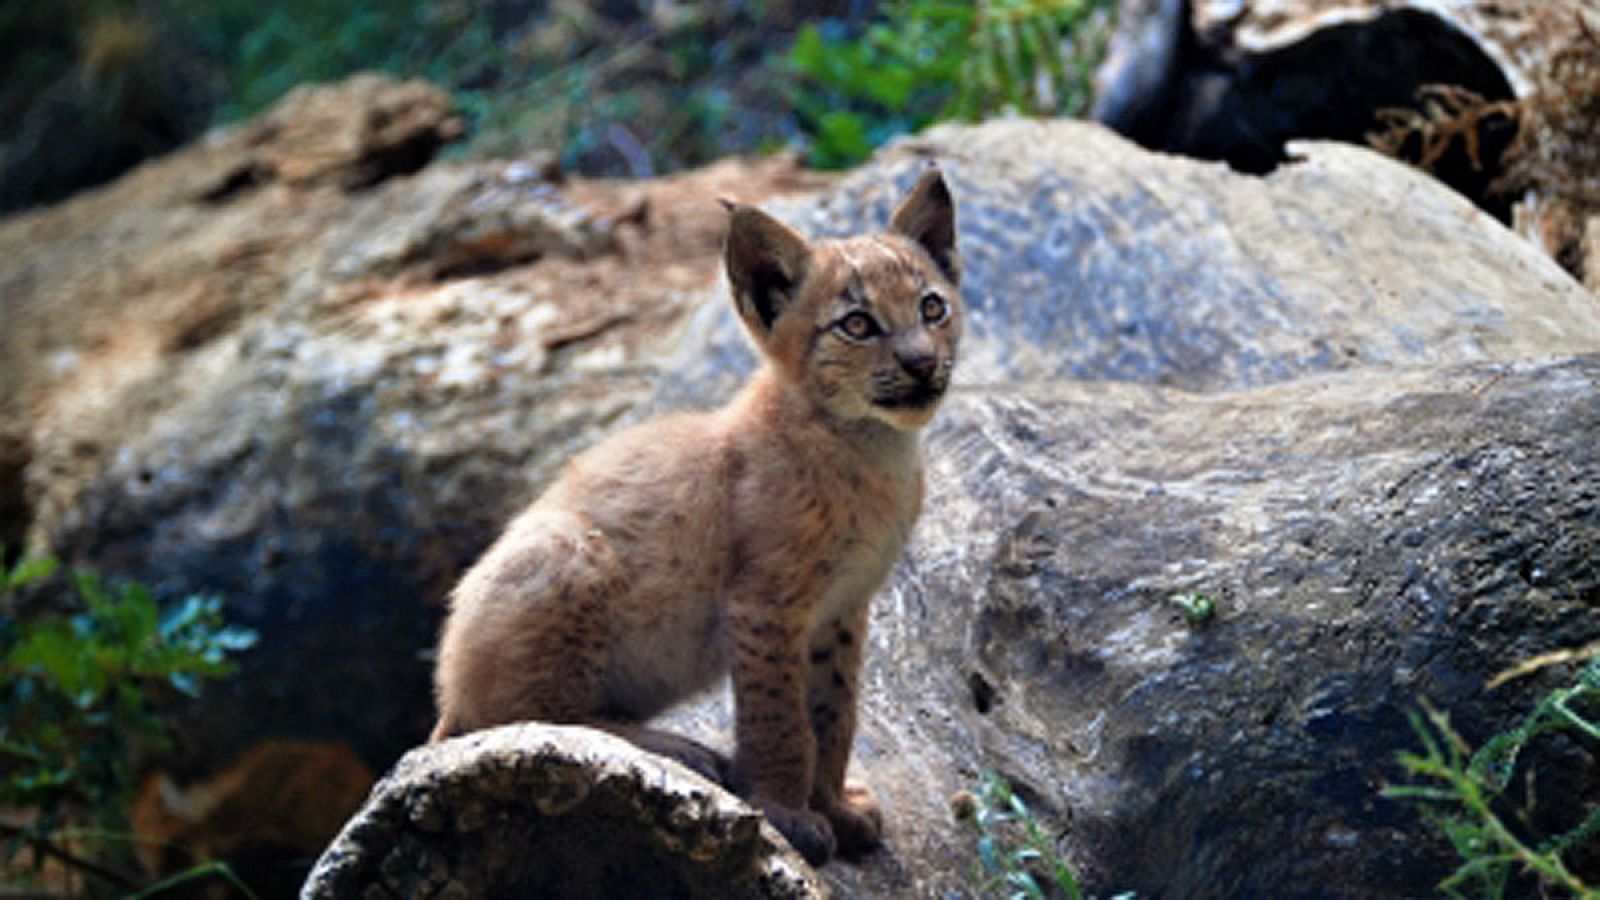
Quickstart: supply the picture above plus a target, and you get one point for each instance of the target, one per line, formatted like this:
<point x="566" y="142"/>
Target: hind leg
<point x="528" y="633"/>
<point x="528" y="639"/>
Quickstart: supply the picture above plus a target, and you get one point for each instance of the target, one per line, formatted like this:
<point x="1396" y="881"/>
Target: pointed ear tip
<point x="741" y="218"/>
<point x="932" y="183"/>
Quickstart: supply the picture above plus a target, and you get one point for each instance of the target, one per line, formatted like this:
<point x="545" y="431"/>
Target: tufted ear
<point x="928" y="216"/>
<point x="766" y="262"/>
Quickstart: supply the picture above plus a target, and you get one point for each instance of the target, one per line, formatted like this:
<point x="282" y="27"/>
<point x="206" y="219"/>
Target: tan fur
<point x="751" y="538"/>
<point x="281" y="796"/>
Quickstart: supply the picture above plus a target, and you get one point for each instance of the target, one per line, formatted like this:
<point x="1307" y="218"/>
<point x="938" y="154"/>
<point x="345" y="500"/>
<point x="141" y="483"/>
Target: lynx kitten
<point x="751" y="538"/>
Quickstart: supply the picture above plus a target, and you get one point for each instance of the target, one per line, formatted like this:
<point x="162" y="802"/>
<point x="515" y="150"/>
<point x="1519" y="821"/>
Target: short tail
<point x="444" y="730"/>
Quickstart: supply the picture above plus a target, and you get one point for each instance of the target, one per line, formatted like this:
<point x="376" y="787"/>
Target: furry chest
<point x="858" y="566"/>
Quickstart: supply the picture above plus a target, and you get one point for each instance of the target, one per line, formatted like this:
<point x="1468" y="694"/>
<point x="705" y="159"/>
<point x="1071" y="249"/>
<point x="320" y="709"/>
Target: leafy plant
<point x="80" y="691"/>
<point x="263" y="50"/>
<point x="1198" y="608"/>
<point x="591" y="85"/>
<point x="1016" y="858"/>
<point x="1464" y="794"/>
<point x="929" y="60"/>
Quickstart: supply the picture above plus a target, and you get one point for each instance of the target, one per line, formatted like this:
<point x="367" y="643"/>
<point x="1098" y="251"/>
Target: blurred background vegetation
<point x="611" y="87"/>
<point x="89" y="671"/>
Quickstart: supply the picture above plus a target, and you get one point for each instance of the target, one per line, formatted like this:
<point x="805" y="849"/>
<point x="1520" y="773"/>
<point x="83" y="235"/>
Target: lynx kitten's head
<point x="866" y="326"/>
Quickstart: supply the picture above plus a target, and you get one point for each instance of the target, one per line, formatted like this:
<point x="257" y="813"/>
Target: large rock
<point x="1370" y="538"/>
<point x="1087" y="259"/>
<point x="1337" y="398"/>
<point x="117" y="288"/>
<point x="322" y="402"/>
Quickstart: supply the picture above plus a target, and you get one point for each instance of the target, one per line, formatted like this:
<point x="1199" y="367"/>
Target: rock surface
<point x="322" y="402"/>
<point x="547" y="811"/>
<point x="1339" y="399"/>
<point x="1089" y="260"/>
<point x="1369" y="538"/>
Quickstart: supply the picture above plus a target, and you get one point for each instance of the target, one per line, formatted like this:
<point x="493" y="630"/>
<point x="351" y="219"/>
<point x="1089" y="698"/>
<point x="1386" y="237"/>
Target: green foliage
<point x="251" y="52"/>
<point x="1198" y="608"/>
<point x="1464" y="794"/>
<point x="630" y="89"/>
<point x="929" y="60"/>
<point x="80" y="690"/>
<point x="567" y="79"/>
<point x="199" y="872"/>
<point x="1016" y="858"/>
<point x="264" y="49"/>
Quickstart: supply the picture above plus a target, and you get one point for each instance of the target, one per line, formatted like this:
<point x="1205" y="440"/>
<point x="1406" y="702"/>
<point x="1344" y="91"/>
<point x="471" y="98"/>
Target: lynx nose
<point x="920" y="365"/>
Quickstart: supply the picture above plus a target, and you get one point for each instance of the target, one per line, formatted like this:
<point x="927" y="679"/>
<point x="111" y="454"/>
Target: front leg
<point x="833" y="686"/>
<point x="775" y="760"/>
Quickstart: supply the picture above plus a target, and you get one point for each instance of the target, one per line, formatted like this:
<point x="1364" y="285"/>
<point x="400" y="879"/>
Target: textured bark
<point x="545" y="811"/>
<point x="1237" y="81"/>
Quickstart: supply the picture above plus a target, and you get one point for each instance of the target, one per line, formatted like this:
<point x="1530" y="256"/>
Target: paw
<point x="806" y="831"/>
<point x="857" y="821"/>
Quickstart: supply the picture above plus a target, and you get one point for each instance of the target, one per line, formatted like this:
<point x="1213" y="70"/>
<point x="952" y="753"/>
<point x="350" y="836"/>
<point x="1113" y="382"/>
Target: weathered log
<point x="558" y="812"/>
<point x="1238" y="81"/>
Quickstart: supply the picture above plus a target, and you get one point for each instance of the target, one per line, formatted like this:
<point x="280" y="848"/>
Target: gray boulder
<point x="1370" y="538"/>
<point x="1089" y="260"/>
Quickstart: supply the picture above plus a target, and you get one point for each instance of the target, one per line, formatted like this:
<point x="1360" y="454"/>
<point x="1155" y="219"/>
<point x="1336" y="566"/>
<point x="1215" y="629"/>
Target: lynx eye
<point x="858" y="325"/>
<point x="934" y="308"/>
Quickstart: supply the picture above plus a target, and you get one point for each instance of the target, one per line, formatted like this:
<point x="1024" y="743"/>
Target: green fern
<point x="1016" y="858"/>
<point x="930" y="60"/>
<point x="1461" y="792"/>
<point x="80" y="690"/>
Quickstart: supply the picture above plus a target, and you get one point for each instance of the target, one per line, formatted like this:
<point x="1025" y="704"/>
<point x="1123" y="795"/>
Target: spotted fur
<point x="749" y="539"/>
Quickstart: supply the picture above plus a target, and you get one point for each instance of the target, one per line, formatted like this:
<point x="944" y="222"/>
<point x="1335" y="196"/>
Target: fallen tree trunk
<point x="1238" y="81"/>
<point x="551" y="811"/>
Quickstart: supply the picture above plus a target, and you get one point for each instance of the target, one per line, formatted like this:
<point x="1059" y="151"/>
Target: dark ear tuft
<point x="766" y="262"/>
<point x="928" y="216"/>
